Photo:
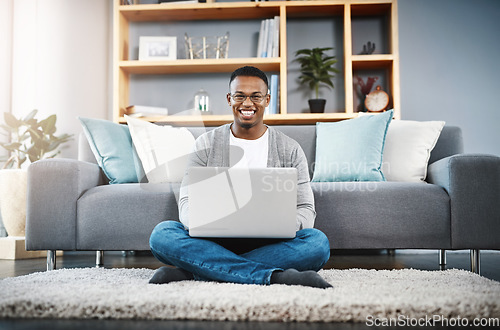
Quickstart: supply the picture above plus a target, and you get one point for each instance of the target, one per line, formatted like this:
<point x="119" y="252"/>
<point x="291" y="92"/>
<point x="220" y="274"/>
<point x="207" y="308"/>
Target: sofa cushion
<point x="380" y="215"/>
<point x="111" y="144"/>
<point x="351" y="150"/>
<point x="163" y="150"/>
<point x="122" y="217"/>
<point x="450" y="143"/>
<point x="408" y="147"/>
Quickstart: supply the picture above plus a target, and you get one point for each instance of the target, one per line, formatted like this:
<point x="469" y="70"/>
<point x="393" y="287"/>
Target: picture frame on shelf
<point x="157" y="48"/>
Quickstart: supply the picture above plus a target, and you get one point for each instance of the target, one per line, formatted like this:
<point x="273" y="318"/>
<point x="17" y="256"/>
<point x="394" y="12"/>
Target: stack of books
<point x="269" y="38"/>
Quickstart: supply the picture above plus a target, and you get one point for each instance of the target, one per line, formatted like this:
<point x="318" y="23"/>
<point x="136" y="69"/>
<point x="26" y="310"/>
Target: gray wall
<point x="449" y="53"/>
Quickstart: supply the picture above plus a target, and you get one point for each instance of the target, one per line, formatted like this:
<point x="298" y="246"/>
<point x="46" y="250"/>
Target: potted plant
<point x="316" y="68"/>
<point x="29" y="139"/>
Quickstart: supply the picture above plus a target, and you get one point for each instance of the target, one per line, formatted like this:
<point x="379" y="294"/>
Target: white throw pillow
<point x="408" y="147"/>
<point x="163" y="150"/>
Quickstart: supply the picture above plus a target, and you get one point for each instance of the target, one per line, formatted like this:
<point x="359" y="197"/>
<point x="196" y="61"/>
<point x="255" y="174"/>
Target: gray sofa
<point x="71" y="207"/>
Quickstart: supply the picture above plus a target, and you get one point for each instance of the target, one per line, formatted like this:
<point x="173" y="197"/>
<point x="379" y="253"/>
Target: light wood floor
<point x="490" y="268"/>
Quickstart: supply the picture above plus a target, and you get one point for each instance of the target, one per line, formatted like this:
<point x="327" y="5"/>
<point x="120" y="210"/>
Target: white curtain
<point x="55" y="56"/>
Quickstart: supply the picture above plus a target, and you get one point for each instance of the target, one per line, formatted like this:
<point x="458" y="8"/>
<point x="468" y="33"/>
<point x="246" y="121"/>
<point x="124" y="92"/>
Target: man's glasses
<point x="240" y="98"/>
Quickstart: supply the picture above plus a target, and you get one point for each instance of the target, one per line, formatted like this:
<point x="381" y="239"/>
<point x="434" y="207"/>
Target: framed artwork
<point x="157" y="48"/>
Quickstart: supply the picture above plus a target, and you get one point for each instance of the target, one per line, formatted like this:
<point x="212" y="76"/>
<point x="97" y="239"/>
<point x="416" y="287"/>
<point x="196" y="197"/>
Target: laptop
<point x="242" y="202"/>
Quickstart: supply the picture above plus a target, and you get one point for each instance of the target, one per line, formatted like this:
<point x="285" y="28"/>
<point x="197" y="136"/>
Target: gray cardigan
<point x="212" y="149"/>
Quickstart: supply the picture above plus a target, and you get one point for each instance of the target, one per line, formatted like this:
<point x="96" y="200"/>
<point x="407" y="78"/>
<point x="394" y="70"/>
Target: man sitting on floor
<point x="250" y="261"/>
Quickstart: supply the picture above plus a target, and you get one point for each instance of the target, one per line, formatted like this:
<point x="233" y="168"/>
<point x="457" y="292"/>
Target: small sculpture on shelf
<point x="363" y="89"/>
<point x="207" y="47"/>
<point x="368" y="48"/>
<point x="202" y="102"/>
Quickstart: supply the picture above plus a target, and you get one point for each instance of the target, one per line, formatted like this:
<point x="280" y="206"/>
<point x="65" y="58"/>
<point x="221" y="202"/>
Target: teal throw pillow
<point x="351" y="150"/>
<point x="112" y="146"/>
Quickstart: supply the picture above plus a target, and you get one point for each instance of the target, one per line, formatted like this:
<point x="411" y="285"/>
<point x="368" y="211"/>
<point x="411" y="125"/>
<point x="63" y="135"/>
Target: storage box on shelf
<point x="124" y="66"/>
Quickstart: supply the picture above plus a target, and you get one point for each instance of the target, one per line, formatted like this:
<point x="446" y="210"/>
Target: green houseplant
<point x="316" y="69"/>
<point x="31" y="139"/>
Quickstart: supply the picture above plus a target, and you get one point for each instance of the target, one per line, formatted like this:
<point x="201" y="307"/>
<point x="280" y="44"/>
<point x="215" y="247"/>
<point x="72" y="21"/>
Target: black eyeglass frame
<point x="247" y="96"/>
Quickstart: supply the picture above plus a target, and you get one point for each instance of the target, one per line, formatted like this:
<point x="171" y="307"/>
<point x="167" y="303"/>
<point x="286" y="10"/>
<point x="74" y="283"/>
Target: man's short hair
<point x="249" y="71"/>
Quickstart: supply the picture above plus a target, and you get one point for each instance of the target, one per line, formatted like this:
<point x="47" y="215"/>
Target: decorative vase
<point x="13" y="187"/>
<point x="202" y="101"/>
<point x="317" y="105"/>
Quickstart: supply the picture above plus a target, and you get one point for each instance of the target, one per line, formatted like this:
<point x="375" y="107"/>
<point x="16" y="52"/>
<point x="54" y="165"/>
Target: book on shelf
<point x="272" y="109"/>
<point x="268" y="45"/>
<point x="261" y="51"/>
<point x="270" y="39"/>
<point x="145" y="111"/>
<point x="276" y="37"/>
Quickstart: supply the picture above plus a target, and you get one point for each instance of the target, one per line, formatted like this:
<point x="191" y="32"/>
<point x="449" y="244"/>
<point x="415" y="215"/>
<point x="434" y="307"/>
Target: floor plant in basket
<point x="29" y="139"/>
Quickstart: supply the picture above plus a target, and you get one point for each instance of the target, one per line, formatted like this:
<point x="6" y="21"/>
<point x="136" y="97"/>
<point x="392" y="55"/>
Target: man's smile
<point x="247" y="114"/>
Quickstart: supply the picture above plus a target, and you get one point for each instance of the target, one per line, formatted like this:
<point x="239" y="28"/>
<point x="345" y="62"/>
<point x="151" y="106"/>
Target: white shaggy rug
<point x="357" y="296"/>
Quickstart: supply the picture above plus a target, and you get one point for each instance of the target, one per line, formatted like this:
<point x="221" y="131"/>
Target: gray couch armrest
<point x="54" y="186"/>
<point x="473" y="184"/>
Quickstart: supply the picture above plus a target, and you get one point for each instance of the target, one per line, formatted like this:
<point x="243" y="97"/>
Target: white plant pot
<point x="13" y="187"/>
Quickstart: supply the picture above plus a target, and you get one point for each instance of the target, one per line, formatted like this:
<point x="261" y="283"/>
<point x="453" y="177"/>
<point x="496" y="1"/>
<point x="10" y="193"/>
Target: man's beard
<point x="246" y="125"/>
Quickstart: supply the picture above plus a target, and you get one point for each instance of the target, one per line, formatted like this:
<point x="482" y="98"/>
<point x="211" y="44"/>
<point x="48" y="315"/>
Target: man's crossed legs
<point x="289" y="261"/>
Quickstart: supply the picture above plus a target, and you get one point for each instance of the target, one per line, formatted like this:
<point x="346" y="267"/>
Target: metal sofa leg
<point x="475" y="266"/>
<point x="51" y="259"/>
<point x="442" y="257"/>
<point x="99" y="258"/>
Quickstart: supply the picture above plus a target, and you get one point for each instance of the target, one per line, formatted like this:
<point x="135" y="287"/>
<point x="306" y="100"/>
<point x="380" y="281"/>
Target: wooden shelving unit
<point x="123" y="67"/>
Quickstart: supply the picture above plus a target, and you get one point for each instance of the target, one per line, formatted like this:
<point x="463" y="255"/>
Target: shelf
<point x="233" y="10"/>
<point x="198" y="65"/>
<point x="216" y="120"/>
<point x="199" y="11"/>
<point x="305" y="118"/>
<point x="370" y="8"/>
<point x="378" y="61"/>
<point x="298" y="9"/>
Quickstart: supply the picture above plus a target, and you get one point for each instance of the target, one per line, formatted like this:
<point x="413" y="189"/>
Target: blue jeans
<point x="247" y="261"/>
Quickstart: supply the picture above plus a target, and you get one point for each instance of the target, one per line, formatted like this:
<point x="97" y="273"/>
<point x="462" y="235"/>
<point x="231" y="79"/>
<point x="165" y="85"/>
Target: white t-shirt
<point x="254" y="151"/>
